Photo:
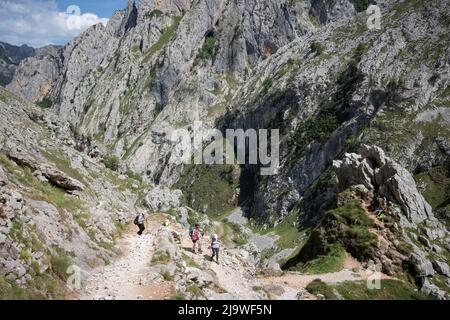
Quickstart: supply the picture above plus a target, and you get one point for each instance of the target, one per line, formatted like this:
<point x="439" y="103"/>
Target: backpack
<point x="190" y="232"/>
<point x="136" y="220"/>
<point x="195" y="235"/>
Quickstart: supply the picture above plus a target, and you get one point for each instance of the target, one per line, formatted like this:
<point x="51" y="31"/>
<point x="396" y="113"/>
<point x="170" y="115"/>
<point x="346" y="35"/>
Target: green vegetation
<point x="120" y="228"/>
<point x="134" y="146"/>
<point x="167" y="276"/>
<point x="332" y="262"/>
<point x="216" y="91"/>
<point x="132" y="175"/>
<point x="163" y="40"/>
<point x="42" y="286"/>
<point x="266" y="85"/>
<point x="189" y="261"/>
<point x="210" y="188"/>
<point x="194" y="290"/>
<point x="346" y="227"/>
<point x="232" y="231"/>
<point x="207" y="52"/>
<point x="60" y="263"/>
<point x="358" y="290"/>
<point x="45" y="103"/>
<point x="160" y="257"/>
<point x="178" y="296"/>
<point x="62" y="164"/>
<point x="290" y="235"/>
<point x="332" y="112"/>
<point x="435" y="185"/>
<point x="42" y="191"/>
<point x="111" y="162"/>
<point x="317" y="48"/>
<point x="353" y="232"/>
<point x="390" y="290"/>
<point x="361" y="5"/>
<point x="317" y="286"/>
<point x="24" y="254"/>
<point x="155" y="13"/>
<point x="81" y="218"/>
<point x="360" y="49"/>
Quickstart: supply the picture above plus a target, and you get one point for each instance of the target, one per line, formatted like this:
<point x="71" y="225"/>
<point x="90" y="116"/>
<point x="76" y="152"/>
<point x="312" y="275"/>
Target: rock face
<point x="48" y="216"/>
<point x="161" y="199"/>
<point x="377" y="172"/>
<point x="10" y="58"/>
<point x="35" y="76"/>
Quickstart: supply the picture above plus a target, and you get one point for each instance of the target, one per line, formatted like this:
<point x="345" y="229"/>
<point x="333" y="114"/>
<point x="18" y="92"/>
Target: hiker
<point x="214" y="246"/>
<point x="195" y="235"/>
<point x="139" y="221"/>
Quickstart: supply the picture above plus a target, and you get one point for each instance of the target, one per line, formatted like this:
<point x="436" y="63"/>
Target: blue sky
<point x="41" y="22"/>
<point x="102" y="8"/>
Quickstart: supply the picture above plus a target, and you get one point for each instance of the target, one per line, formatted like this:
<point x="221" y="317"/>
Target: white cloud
<point x="39" y="23"/>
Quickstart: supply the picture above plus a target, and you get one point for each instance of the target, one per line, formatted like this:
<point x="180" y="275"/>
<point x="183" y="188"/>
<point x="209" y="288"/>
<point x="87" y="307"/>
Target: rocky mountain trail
<point x="142" y="272"/>
<point x="130" y="276"/>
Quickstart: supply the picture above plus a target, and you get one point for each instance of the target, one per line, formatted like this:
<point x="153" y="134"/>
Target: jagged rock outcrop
<point x="377" y="172"/>
<point x="42" y="170"/>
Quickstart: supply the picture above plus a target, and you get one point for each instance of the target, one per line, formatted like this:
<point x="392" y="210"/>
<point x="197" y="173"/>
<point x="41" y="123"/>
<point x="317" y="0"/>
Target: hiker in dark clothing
<point x="139" y="221"/>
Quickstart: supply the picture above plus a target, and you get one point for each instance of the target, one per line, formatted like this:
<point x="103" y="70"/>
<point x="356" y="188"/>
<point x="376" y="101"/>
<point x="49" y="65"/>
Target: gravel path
<point x="129" y="277"/>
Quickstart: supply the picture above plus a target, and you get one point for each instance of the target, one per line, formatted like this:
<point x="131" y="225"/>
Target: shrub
<point x="178" y="296"/>
<point x="60" y="263"/>
<point x="194" y="290"/>
<point x="160" y="257"/>
<point x="317" y="48"/>
<point x="167" y="276"/>
<point x="317" y="286"/>
<point x="390" y="289"/>
<point x="207" y="52"/>
<point x="111" y="162"/>
<point x="45" y="103"/>
<point x="267" y="84"/>
<point x="361" y="5"/>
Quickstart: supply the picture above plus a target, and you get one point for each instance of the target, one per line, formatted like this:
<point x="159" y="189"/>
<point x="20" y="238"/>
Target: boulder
<point x="374" y="170"/>
<point x="422" y="266"/>
<point x="200" y="277"/>
<point x="441" y="268"/>
<point x="273" y="269"/>
<point x="433" y="291"/>
<point x="54" y="175"/>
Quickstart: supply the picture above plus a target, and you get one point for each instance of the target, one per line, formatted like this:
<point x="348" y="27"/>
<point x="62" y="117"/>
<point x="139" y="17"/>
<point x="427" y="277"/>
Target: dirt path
<point x="130" y="276"/>
<point x="297" y="282"/>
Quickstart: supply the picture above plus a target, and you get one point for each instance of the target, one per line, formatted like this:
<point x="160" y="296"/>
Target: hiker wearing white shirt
<point x="215" y="245"/>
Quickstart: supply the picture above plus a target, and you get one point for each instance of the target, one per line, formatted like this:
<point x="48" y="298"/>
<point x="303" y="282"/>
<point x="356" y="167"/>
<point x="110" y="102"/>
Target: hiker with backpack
<point x="214" y="246"/>
<point x="139" y="221"/>
<point x="195" y="235"/>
